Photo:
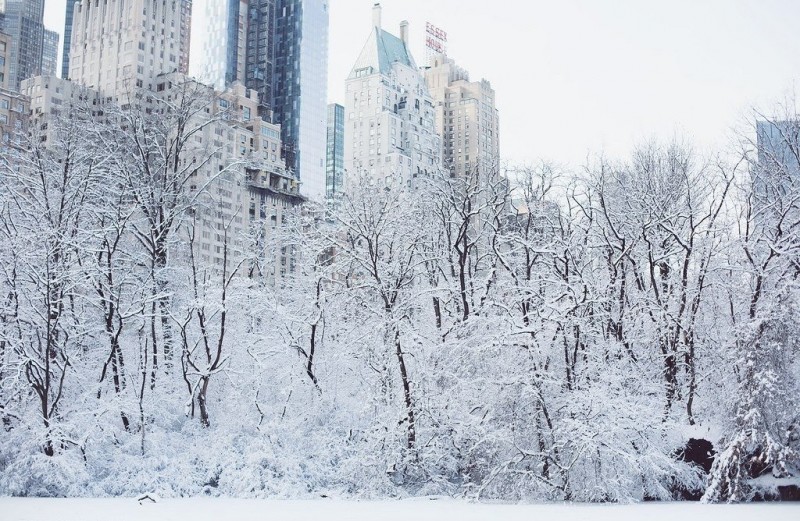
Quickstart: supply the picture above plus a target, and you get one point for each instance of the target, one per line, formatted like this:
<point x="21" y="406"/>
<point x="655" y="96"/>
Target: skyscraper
<point x="49" y="53"/>
<point x="299" y="88"/>
<point x="13" y="106"/>
<point x="22" y="21"/>
<point x="260" y="53"/>
<point x="5" y="61"/>
<point x="67" y="38"/>
<point x="134" y="47"/>
<point x="279" y="49"/>
<point x="218" y="54"/>
<point x="776" y="175"/>
<point x="147" y="39"/>
<point x="466" y="118"/>
<point x="389" y="127"/>
<point x="334" y="159"/>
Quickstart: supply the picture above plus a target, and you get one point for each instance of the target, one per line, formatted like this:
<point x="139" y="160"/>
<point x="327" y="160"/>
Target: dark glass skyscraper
<point x="334" y="160"/>
<point x="67" y="38"/>
<point x="299" y="88"/>
<point x="22" y="21"/>
<point x="232" y="44"/>
<point x="259" y="69"/>
<point x="279" y="48"/>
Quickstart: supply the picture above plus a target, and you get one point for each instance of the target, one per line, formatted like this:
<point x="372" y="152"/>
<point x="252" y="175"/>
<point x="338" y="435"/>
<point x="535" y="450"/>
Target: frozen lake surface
<point x="208" y="509"/>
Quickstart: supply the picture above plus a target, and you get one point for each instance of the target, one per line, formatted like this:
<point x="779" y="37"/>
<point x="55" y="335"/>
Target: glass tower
<point x="778" y="144"/>
<point x="67" y="38"/>
<point x="22" y="21"/>
<point x="279" y="48"/>
<point x="49" y="53"/>
<point x="334" y="159"/>
<point x="300" y="89"/>
<point x="259" y="69"/>
<point x="217" y="55"/>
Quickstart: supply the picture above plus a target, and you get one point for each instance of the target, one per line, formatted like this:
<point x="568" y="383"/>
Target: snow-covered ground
<point x="202" y="509"/>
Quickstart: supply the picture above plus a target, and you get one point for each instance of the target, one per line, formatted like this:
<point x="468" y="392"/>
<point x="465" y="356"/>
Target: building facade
<point x="778" y="147"/>
<point x="67" y="37"/>
<point x="277" y="48"/>
<point x="300" y="89"/>
<point x="466" y="118"/>
<point x="218" y="56"/>
<point x="390" y="132"/>
<point x="125" y="56"/>
<point x="776" y="174"/>
<point x="5" y="59"/>
<point x="116" y="46"/>
<point x="14" y="109"/>
<point x="242" y="184"/>
<point x="260" y="53"/>
<point x="334" y="157"/>
<point x="49" y="53"/>
<point x="22" y="22"/>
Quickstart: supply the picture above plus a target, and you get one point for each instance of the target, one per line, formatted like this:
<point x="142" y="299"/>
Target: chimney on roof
<point x="404" y="32"/>
<point x="376" y="15"/>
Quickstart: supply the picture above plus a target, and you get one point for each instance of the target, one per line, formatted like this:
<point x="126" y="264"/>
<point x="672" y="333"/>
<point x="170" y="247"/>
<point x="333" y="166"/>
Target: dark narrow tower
<point x="260" y="53"/>
<point x="334" y="160"/>
<point x="299" y="99"/>
<point x="67" y="38"/>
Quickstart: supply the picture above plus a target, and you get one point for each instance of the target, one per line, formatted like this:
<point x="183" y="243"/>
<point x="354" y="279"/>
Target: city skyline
<point x="219" y="289"/>
<point x="707" y="64"/>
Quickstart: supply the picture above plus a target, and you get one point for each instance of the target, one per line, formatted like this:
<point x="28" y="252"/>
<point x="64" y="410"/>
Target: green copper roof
<point x="381" y="51"/>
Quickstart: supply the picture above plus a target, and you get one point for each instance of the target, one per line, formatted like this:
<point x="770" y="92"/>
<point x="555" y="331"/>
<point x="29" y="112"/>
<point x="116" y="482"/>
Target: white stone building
<point x="390" y="132"/>
<point x="117" y="45"/>
<point x="466" y="118"/>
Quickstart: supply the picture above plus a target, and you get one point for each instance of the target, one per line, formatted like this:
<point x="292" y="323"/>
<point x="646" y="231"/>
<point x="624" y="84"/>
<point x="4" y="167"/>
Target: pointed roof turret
<point x="382" y="50"/>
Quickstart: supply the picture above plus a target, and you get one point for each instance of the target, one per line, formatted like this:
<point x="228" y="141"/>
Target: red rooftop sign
<point x="435" y="38"/>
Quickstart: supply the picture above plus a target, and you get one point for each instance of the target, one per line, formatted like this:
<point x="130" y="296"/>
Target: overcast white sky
<point x="580" y="76"/>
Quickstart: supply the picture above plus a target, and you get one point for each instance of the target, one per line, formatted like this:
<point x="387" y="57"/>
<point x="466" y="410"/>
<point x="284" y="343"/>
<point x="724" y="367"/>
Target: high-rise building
<point x="299" y="88"/>
<point x="466" y="118"/>
<point x="13" y="106"/>
<point x="13" y="114"/>
<point x="5" y="60"/>
<point x="241" y="179"/>
<point x="67" y="37"/>
<point x="49" y="53"/>
<point x="22" y="21"/>
<point x="776" y="175"/>
<point x="334" y="158"/>
<point x="218" y="51"/>
<point x="279" y="49"/>
<point x="116" y="45"/>
<point x="260" y="53"/>
<point x="390" y="133"/>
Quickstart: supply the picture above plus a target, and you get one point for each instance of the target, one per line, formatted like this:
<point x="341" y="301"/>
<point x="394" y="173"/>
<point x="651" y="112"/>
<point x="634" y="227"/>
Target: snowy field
<point x="207" y="509"/>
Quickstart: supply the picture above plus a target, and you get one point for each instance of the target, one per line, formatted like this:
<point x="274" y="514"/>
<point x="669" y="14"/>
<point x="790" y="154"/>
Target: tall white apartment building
<point x="117" y="45"/>
<point x="466" y="118"/>
<point x="389" y="130"/>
